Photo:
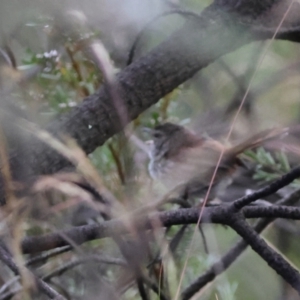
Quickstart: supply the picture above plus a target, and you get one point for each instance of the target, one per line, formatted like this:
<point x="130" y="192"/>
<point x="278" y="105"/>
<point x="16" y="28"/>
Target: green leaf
<point x="285" y="166"/>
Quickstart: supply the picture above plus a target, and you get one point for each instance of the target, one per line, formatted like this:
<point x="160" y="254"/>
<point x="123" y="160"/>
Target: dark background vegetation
<point x="68" y="114"/>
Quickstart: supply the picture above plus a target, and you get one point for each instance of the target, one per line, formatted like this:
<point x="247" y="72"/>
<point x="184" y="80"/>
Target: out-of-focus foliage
<point x="274" y="166"/>
<point x="69" y="75"/>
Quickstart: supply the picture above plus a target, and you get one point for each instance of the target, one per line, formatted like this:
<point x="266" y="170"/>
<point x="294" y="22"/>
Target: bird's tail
<point x="258" y="139"/>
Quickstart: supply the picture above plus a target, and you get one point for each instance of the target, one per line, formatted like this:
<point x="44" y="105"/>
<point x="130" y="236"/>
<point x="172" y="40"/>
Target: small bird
<point x="185" y="162"/>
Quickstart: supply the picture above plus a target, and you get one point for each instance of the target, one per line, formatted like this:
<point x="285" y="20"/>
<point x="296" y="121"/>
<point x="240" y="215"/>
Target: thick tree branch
<point x="82" y="234"/>
<point x="219" y="30"/>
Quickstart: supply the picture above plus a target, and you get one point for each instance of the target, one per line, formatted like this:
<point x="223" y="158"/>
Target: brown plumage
<point x="182" y="160"/>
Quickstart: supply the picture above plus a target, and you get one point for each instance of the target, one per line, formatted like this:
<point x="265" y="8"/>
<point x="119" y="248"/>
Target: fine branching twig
<point x="232" y="255"/>
<point x="274" y="260"/>
<point x="169" y="218"/>
<point x="266" y="191"/>
<point x="6" y="258"/>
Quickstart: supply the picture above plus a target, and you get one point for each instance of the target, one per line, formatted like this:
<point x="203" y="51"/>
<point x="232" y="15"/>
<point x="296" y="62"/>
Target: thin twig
<point x="44" y="287"/>
<point x="96" y="258"/>
<point x="232" y="255"/>
<point x="268" y="190"/>
<point x="46" y="256"/>
<point x="222" y="265"/>
<point x="185" y="13"/>
<point x="274" y="260"/>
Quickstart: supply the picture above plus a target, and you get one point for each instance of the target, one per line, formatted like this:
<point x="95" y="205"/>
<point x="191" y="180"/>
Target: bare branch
<point x="44" y="287"/>
<point x="274" y="260"/>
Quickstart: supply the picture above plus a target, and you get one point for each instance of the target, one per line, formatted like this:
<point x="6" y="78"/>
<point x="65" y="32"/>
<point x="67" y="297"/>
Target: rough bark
<point x="219" y="30"/>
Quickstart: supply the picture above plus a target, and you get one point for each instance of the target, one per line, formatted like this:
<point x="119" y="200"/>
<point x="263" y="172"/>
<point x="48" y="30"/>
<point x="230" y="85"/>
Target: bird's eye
<point x="157" y="134"/>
